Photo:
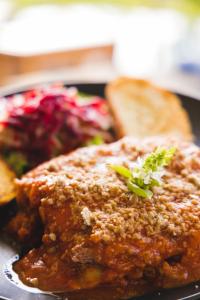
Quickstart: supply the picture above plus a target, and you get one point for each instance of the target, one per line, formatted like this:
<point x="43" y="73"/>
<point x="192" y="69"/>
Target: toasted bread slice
<point x="141" y="109"/>
<point x="7" y="186"/>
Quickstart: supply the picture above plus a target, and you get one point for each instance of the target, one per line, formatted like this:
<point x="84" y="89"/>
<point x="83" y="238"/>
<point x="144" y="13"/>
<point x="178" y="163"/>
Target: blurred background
<point x="94" y="41"/>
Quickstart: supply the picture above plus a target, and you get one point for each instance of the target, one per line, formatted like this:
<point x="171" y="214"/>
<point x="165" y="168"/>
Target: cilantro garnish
<point x="147" y="172"/>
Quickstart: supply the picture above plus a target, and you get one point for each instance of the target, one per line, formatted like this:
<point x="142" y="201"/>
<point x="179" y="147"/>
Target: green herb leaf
<point x="17" y="161"/>
<point x="125" y="172"/>
<point x="145" y="193"/>
<point x="147" y="173"/>
<point x="96" y="140"/>
<point x="154" y="182"/>
<point x="159" y="158"/>
<point x="83" y="98"/>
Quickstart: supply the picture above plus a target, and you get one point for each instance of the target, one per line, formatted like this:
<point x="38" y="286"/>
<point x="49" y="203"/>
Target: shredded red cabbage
<point x="51" y="120"/>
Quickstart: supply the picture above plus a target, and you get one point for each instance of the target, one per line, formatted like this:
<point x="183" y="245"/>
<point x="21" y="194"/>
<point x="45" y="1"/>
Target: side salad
<point x="50" y="120"/>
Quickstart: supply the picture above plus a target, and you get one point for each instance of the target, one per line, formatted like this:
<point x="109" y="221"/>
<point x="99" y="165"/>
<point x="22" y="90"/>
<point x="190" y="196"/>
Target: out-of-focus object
<point x="142" y="109"/>
<point x="183" y="76"/>
<point x="7" y="187"/>
<point x="50" y="37"/>
<point x="146" y="39"/>
<point x="187" y="51"/>
<point x="12" y="65"/>
<point x="5" y="9"/>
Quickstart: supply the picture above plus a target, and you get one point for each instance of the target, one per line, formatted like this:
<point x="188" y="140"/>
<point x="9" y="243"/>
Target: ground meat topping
<point x="98" y="193"/>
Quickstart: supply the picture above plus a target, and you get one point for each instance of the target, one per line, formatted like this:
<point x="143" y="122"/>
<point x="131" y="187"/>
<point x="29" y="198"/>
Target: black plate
<point x="9" y="290"/>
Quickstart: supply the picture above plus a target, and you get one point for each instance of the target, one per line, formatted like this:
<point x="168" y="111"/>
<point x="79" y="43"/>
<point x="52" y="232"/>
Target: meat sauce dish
<point x="94" y="232"/>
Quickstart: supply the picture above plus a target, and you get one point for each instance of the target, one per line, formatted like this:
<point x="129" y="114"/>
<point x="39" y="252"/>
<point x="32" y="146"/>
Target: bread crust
<point x="171" y="118"/>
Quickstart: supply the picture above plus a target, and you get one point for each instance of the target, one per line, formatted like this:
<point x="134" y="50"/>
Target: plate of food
<point x="99" y="193"/>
